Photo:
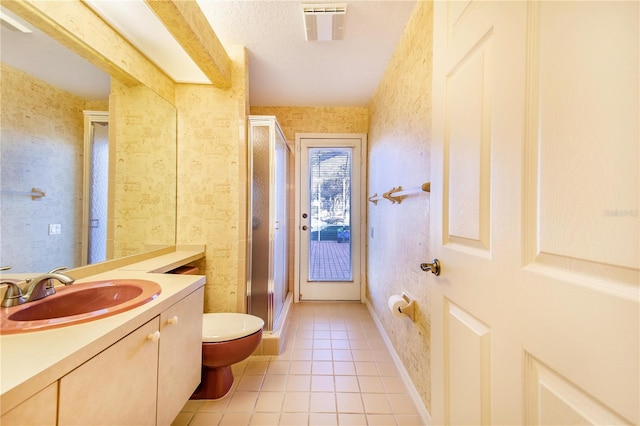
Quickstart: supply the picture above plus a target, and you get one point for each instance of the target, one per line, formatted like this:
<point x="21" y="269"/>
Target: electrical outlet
<point x="55" y="229"/>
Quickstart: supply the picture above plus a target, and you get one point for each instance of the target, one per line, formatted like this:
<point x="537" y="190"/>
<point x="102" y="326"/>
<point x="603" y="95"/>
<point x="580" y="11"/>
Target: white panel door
<point x="535" y="184"/>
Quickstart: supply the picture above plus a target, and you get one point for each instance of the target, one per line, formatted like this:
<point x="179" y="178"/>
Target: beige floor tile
<point x="183" y="418"/>
<point x="381" y="355"/>
<point x="278" y="367"/>
<point x="294" y="419"/>
<point x="322" y="402"/>
<point x="346" y="384"/>
<point x="388" y="369"/>
<point x="366" y="369"/>
<point x="300" y="367"/>
<point x="249" y="383"/>
<point x="362" y="355"/>
<point x="269" y="402"/>
<point x="297" y="383"/>
<point x="376" y="403"/>
<point x="322" y="384"/>
<point x="256" y="367"/>
<point x="215" y="405"/>
<point x="322" y="354"/>
<point x="301" y="355"/>
<point x="322" y="367"/>
<point x="342" y="355"/>
<point x="381" y="420"/>
<point x="192" y="405"/>
<point x="352" y="419"/>
<point x="235" y="419"/>
<point x="304" y="334"/>
<point x="339" y="334"/>
<point x="409" y="420"/>
<point x="242" y="402"/>
<point x="322" y="325"/>
<point x="349" y="403"/>
<point x="276" y="382"/>
<point x="303" y="344"/>
<point x="357" y="335"/>
<point x="371" y="384"/>
<point x="205" y="419"/>
<point x="323" y="419"/>
<point x="340" y="344"/>
<point x="265" y="419"/>
<point x="335" y="370"/>
<point x="401" y="404"/>
<point x="322" y="334"/>
<point x="296" y="402"/>
<point x="358" y="344"/>
<point x="393" y="384"/>
<point x="344" y="368"/>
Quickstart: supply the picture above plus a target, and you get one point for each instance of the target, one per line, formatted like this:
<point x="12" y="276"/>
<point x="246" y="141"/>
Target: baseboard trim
<point x="415" y="397"/>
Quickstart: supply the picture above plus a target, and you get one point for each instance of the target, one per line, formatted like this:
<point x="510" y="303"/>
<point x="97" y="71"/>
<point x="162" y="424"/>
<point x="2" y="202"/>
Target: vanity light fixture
<point x="324" y="22"/>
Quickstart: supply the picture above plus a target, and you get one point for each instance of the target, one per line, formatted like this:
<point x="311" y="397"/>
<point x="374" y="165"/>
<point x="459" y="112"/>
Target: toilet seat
<point x="223" y="326"/>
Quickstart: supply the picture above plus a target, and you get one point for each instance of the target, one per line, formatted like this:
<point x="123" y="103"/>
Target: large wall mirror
<point x="88" y="168"/>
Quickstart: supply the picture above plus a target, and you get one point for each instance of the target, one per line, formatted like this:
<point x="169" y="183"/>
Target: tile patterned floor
<point x="335" y="370"/>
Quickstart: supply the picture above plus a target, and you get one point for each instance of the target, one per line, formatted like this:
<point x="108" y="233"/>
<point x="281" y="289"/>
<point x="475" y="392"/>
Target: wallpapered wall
<point x="212" y="177"/>
<point x="399" y="140"/>
<point x="42" y="147"/>
<point x="143" y="183"/>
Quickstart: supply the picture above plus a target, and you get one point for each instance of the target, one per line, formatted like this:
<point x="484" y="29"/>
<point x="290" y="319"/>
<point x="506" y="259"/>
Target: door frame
<point x="362" y="202"/>
<point x="90" y="117"/>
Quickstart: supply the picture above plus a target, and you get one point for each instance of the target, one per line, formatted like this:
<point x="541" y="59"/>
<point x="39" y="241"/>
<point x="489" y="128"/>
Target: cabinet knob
<point x="154" y="337"/>
<point x="173" y="320"/>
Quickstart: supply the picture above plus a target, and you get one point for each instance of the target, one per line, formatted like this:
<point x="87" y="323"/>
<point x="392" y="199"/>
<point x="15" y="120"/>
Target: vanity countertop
<point x="33" y="360"/>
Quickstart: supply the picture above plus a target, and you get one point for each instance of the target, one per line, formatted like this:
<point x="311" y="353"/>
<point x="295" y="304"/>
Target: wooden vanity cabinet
<point x="116" y="387"/>
<point x="40" y="409"/>
<point x="143" y="379"/>
<point x="180" y="357"/>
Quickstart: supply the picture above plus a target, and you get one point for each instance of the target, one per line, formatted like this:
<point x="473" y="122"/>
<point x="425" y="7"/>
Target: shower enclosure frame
<point x="267" y="221"/>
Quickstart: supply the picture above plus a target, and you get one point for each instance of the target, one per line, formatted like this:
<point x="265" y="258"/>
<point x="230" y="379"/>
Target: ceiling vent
<point x="324" y="22"/>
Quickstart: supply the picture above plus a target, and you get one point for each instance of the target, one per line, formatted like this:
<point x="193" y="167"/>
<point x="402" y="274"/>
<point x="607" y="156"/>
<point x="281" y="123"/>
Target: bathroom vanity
<point x="137" y="367"/>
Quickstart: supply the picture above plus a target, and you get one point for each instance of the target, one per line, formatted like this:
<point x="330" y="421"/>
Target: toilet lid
<point x="220" y="327"/>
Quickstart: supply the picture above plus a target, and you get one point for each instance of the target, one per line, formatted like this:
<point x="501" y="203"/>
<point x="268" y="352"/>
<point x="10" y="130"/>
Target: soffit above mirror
<point x="138" y="24"/>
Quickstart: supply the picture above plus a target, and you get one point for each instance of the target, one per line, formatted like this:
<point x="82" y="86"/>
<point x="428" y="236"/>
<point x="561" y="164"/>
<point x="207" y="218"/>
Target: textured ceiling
<point x="285" y="69"/>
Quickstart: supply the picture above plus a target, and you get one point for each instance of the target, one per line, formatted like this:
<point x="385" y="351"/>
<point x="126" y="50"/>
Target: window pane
<point x="330" y="207"/>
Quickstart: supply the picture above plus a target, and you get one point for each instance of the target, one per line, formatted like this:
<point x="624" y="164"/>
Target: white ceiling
<point x="284" y="69"/>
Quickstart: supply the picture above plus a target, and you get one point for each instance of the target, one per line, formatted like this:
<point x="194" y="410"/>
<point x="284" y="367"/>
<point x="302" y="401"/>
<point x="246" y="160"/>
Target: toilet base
<point x="216" y="383"/>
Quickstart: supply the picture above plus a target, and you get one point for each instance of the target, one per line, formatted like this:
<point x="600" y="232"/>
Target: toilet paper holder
<point x="409" y="309"/>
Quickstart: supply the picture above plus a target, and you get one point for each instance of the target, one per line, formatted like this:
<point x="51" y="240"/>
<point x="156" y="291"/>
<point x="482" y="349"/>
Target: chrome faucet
<point x="43" y="285"/>
<point x="13" y="295"/>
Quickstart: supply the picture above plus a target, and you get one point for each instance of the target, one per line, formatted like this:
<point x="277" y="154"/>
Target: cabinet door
<point x="40" y="409"/>
<point x="180" y="356"/>
<point x="117" y="386"/>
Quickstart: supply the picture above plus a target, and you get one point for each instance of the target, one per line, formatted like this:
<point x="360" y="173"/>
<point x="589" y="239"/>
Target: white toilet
<point x="227" y="338"/>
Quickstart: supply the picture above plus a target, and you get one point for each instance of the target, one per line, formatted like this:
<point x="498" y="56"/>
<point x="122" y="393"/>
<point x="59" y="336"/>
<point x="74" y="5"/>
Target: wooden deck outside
<point x="330" y="261"/>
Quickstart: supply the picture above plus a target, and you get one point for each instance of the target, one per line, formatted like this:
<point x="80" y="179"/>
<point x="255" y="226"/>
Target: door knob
<point x="305" y="227"/>
<point x="434" y="267"/>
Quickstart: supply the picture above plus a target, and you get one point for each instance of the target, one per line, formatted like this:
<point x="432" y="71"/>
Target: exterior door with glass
<point x="328" y="171"/>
